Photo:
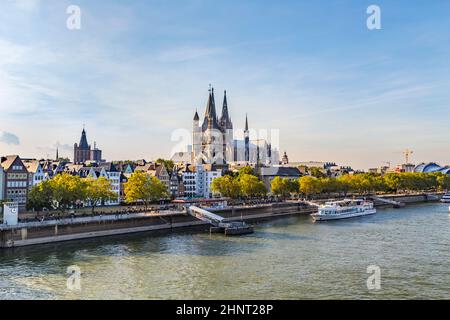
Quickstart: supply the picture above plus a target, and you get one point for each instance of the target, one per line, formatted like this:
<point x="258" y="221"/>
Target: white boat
<point x="344" y="209"/>
<point x="445" y="198"/>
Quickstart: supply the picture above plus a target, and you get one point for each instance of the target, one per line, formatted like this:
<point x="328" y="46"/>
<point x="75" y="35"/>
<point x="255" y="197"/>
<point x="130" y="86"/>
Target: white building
<point x="190" y="183"/>
<point x="113" y="175"/>
<point x="35" y="170"/>
<point x="198" y="180"/>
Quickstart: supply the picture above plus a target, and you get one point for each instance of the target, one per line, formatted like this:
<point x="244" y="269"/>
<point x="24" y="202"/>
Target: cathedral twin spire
<point x="211" y="121"/>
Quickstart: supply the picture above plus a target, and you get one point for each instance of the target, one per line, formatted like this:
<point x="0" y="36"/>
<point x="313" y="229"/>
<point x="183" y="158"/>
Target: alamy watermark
<point x="73" y="22"/>
<point x="73" y="282"/>
<point x="374" y="20"/>
<point x="374" y="280"/>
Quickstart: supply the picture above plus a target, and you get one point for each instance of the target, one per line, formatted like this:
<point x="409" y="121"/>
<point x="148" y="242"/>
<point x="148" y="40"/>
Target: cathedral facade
<point x="213" y="139"/>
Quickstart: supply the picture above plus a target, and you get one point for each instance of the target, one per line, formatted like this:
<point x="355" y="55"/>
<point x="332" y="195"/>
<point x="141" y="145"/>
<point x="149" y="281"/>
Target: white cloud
<point x="9" y="138"/>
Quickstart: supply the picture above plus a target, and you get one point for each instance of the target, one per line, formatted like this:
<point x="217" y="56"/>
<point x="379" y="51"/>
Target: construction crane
<point x="407" y="154"/>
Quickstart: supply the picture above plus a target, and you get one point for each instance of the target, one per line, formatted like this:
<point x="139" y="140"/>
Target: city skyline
<point x="135" y="72"/>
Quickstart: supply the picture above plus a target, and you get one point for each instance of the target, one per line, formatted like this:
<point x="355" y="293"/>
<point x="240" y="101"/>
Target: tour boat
<point x="344" y="209"/>
<point x="446" y="198"/>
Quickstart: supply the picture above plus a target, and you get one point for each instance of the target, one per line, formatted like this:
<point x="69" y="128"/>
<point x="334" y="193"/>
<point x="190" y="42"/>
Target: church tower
<point x="226" y="127"/>
<point x="82" y="151"/>
<point x="196" y="140"/>
<point x="212" y="136"/>
<point x="247" y="140"/>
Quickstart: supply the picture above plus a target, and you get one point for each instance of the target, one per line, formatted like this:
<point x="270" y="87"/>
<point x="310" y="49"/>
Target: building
<point x="176" y="184"/>
<point x="109" y="172"/>
<point x="269" y="173"/>
<point x="189" y="178"/>
<point x="113" y="175"/>
<point x="157" y="170"/>
<point x="82" y="152"/>
<point x="197" y="180"/>
<point x="35" y="170"/>
<point x="123" y="181"/>
<point x="2" y="183"/>
<point x="432" y="167"/>
<point x="205" y="176"/>
<point x="16" y="180"/>
<point x="285" y="159"/>
<point x="213" y="140"/>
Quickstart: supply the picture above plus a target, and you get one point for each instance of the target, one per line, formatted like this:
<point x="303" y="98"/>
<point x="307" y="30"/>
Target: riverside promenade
<point x="84" y="227"/>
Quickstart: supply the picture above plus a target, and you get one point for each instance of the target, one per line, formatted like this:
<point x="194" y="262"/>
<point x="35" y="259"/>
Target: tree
<point x="40" y="197"/>
<point x="251" y="186"/>
<point x="329" y="185"/>
<point x="317" y="172"/>
<point x="68" y="190"/>
<point x="392" y="181"/>
<point x="310" y="186"/>
<point x="227" y="186"/>
<point x="247" y="170"/>
<point x="444" y="182"/>
<point x="283" y="187"/>
<point x="99" y="191"/>
<point x="142" y="187"/>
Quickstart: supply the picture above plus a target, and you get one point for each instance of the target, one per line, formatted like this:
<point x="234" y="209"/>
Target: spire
<point x="210" y="121"/>
<point x="246" y="122"/>
<point x="83" y="141"/>
<point x="196" y="117"/>
<point x="225" y="120"/>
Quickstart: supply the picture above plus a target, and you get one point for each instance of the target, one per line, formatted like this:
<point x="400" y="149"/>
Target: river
<point x="288" y="258"/>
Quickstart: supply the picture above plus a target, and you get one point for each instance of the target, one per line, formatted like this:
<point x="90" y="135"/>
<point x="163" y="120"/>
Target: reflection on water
<point x="290" y="258"/>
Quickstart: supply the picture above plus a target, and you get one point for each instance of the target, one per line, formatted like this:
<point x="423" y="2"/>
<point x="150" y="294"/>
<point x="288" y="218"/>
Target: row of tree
<point x="66" y="191"/>
<point x="247" y="184"/>
<point x="366" y="183"/>
<point x="236" y="185"/>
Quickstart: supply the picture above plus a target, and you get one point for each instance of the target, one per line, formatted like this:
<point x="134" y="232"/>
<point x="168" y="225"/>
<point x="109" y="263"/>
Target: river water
<point x="288" y="258"/>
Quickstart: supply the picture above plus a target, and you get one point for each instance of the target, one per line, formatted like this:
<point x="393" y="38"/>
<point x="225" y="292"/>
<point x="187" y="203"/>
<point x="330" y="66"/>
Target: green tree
<point x="247" y="170"/>
<point x="283" y="187"/>
<point x="310" y="186"/>
<point x="68" y="190"/>
<point x="227" y="186"/>
<point x="251" y="186"/>
<point x="443" y="181"/>
<point x="317" y="172"/>
<point x="40" y="197"/>
<point x="99" y="191"/>
<point x="392" y="181"/>
<point x="144" y="188"/>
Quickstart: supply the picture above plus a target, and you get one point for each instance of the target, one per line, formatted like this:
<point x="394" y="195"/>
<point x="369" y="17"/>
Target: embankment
<point x="33" y="233"/>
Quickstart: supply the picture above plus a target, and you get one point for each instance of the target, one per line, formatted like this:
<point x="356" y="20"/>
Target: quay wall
<point x="75" y="229"/>
<point x="411" y="198"/>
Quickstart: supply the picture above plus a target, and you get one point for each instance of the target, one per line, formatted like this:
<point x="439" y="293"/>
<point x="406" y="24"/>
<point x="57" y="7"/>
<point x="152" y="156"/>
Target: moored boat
<point x="445" y="198"/>
<point x="344" y="209"/>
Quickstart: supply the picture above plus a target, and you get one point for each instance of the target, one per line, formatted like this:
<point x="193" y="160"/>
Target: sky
<point x="136" y="71"/>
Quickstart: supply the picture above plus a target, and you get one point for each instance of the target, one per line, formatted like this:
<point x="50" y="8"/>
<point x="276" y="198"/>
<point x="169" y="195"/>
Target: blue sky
<point x="137" y="70"/>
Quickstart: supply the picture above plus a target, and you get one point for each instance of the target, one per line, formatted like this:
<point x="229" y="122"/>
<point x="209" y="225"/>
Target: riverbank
<point x="76" y="228"/>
